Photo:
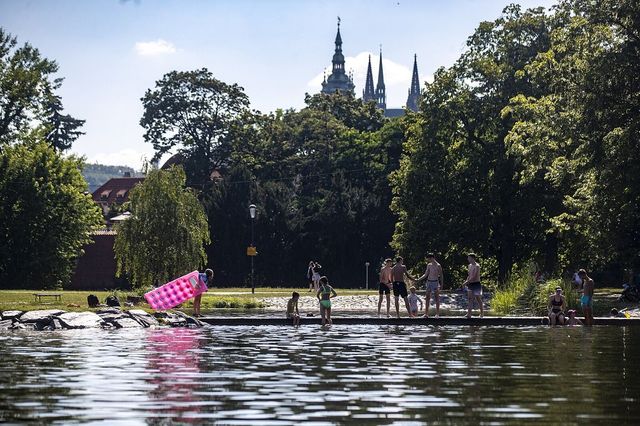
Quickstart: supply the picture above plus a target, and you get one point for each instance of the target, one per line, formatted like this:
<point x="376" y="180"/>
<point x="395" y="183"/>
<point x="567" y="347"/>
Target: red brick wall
<point x="96" y="269"/>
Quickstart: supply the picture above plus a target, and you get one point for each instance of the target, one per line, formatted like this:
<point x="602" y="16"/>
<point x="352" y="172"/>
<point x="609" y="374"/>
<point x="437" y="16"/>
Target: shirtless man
<point x="433" y="275"/>
<point x="474" y="287"/>
<point x="587" y="297"/>
<point x="384" y="286"/>
<point x="398" y="272"/>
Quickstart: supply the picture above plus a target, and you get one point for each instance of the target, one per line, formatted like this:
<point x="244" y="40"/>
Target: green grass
<point x="216" y="298"/>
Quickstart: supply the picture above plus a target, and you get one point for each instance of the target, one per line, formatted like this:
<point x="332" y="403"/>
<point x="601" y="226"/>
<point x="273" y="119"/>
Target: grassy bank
<point x="239" y="298"/>
<point x="523" y="296"/>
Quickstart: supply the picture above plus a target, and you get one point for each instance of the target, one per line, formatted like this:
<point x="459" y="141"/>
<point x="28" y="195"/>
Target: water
<point x="347" y="374"/>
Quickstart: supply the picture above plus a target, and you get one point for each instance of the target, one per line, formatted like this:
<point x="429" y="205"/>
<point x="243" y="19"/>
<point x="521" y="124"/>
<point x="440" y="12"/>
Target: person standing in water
<point x="384" y="286"/>
<point x="324" y="295"/>
<point x="206" y="278"/>
<point x="433" y="275"/>
<point x="398" y="272"/>
<point x="474" y="287"/>
<point x="587" y="297"/>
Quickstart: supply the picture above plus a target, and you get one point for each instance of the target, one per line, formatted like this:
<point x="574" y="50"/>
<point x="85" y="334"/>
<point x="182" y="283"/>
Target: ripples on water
<point x="347" y="374"/>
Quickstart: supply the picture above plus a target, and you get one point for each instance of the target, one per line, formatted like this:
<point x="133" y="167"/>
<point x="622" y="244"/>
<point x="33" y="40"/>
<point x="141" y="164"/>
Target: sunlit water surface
<point x="347" y="374"/>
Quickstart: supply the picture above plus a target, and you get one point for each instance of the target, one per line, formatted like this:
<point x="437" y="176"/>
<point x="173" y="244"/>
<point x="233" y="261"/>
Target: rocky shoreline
<point x="109" y="318"/>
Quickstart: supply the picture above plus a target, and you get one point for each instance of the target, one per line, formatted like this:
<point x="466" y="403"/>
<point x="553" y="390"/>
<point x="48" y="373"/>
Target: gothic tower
<point x="414" y="91"/>
<point x="368" y="94"/>
<point x="381" y="96"/>
<point x="338" y="80"/>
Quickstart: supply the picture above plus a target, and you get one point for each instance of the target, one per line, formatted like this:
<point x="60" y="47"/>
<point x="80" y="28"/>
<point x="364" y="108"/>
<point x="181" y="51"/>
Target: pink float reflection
<point x="174" y="370"/>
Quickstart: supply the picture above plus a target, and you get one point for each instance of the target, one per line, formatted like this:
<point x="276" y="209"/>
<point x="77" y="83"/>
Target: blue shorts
<point x="432" y="286"/>
<point x="586" y="301"/>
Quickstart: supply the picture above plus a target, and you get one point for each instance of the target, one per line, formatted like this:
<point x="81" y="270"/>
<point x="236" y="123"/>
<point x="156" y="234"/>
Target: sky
<point x="110" y="52"/>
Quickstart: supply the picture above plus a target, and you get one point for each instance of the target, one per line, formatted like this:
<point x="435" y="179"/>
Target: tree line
<point x="525" y="149"/>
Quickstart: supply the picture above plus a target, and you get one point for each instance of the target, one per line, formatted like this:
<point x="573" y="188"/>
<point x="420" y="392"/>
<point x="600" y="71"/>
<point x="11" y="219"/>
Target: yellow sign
<point x="252" y="251"/>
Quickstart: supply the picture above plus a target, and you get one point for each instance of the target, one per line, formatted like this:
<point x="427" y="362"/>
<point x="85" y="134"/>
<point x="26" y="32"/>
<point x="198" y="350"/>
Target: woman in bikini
<point x="557" y="305"/>
<point x="325" y="294"/>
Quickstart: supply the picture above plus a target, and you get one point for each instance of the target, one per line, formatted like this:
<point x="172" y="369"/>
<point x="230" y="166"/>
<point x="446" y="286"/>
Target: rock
<point x="44" y="323"/>
<point x="126" y="322"/>
<point x="109" y="311"/>
<point x="171" y="319"/>
<point x="80" y="320"/>
<point x="34" y="316"/>
<point x="191" y="321"/>
<point x="146" y="319"/>
<point x="11" y="314"/>
<point x="57" y="324"/>
<point x="6" y="324"/>
<point x="18" y="326"/>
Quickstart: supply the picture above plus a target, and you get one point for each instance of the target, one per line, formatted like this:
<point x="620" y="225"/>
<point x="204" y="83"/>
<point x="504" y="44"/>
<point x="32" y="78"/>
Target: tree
<point x="192" y="112"/>
<point x="27" y="96"/>
<point x="167" y="232"/>
<point x="458" y="181"/>
<point x="46" y="216"/>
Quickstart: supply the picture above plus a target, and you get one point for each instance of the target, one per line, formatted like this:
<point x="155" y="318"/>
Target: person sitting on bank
<point x="557" y="305"/>
<point x="572" y="320"/>
<point x="292" y="309"/>
<point x="325" y="294"/>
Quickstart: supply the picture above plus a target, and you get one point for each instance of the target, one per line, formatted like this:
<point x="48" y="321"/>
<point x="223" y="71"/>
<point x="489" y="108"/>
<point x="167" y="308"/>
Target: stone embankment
<point x="110" y="318"/>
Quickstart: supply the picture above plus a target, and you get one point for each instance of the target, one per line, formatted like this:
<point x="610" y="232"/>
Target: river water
<point x="346" y="374"/>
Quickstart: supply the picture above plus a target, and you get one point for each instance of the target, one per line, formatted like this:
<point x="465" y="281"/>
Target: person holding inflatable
<point x="206" y="279"/>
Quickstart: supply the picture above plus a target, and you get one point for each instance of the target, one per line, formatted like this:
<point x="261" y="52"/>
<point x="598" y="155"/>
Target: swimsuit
<point x="586" y="300"/>
<point x="556" y="306"/>
<point x="383" y="288"/>
<point x="432" y="285"/>
<point x="399" y="289"/>
<point x="325" y="292"/>
<point x="475" y="288"/>
<point x="413" y="302"/>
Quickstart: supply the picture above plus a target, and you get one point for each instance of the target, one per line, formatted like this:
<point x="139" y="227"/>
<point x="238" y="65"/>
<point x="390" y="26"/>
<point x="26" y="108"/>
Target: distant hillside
<point x="97" y="174"/>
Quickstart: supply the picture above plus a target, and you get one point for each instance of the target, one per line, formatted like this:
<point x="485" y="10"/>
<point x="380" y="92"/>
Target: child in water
<point x="413" y="300"/>
<point x="292" y="309"/>
<point x="325" y="294"/>
<point x="572" y="318"/>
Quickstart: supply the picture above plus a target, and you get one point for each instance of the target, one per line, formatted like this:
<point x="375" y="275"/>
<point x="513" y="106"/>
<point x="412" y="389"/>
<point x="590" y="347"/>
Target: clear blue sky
<point x="110" y="52"/>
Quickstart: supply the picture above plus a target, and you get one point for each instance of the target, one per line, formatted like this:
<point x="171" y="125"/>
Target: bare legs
<point x="325" y="313"/>
<point x="471" y="299"/>
<point x="388" y="302"/>
<point x="196" y="305"/>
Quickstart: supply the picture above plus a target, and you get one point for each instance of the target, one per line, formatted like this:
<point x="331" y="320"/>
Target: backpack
<point x="112" y="301"/>
<point x="93" y="301"/>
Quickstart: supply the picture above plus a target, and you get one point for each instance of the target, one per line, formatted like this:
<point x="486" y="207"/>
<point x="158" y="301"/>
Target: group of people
<point x="392" y="279"/>
<point x="557" y="303"/>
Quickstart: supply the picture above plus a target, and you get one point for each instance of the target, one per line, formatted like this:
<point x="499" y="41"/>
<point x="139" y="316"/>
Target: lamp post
<point x="366" y="265"/>
<point x="252" y="213"/>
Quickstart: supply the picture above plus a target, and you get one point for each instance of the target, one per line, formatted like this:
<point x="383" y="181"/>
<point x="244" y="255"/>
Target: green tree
<point x="459" y="187"/>
<point x="27" y="96"/>
<point x="46" y="216"/>
<point x="194" y="113"/>
<point x="167" y="232"/>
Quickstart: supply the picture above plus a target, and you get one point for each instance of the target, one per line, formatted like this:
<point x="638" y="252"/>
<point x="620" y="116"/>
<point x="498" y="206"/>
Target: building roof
<point x="115" y="190"/>
<point x="394" y="112"/>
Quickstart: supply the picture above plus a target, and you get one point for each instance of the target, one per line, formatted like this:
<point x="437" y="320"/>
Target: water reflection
<point x="347" y="374"/>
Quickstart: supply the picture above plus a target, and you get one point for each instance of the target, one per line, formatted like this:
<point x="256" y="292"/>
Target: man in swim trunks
<point x="398" y="272"/>
<point x="384" y="288"/>
<point x="587" y="297"/>
<point x="433" y="275"/>
<point x="474" y="287"/>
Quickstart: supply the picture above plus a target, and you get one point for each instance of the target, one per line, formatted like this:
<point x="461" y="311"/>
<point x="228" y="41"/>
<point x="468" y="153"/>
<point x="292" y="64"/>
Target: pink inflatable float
<point x="176" y="292"/>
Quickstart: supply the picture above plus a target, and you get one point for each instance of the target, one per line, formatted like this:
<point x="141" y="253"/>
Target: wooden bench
<point x="38" y="296"/>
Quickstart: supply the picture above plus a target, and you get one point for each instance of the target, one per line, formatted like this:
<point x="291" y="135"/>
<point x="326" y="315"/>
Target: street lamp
<point x="252" y="213"/>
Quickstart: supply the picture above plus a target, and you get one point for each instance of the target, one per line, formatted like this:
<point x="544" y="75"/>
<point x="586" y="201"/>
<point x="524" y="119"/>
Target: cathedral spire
<point x="381" y="96"/>
<point x="338" y="80"/>
<point x="414" y="91"/>
<point x="368" y="94"/>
